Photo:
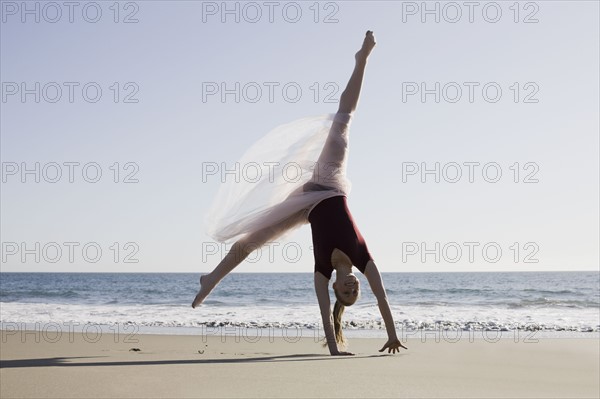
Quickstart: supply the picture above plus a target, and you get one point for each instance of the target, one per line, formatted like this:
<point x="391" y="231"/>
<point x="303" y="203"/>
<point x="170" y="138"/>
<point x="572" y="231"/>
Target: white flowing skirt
<point x="287" y="173"/>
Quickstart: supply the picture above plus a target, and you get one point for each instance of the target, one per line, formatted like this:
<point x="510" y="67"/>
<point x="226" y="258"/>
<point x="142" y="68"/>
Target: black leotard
<point x="333" y="227"/>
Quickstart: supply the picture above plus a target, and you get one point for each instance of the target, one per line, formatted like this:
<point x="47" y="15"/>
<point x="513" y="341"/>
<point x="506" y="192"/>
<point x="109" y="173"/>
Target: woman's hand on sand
<point x="393" y="345"/>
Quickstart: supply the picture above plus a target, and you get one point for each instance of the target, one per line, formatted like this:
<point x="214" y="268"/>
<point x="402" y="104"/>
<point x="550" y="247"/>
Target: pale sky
<point x="517" y="89"/>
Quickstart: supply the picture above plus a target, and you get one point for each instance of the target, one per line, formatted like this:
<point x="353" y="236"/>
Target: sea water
<point x="544" y="302"/>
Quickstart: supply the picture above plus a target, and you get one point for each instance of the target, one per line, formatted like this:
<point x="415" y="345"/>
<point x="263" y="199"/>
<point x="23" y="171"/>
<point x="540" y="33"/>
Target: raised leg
<point x="350" y="95"/>
<point x="334" y="151"/>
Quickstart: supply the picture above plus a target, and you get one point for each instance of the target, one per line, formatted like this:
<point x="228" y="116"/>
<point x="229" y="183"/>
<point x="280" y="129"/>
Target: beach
<point x="480" y="335"/>
<point x="53" y="364"/>
<point x="170" y="172"/>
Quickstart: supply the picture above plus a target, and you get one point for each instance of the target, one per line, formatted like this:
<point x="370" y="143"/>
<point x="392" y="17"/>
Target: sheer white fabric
<point x="282" y="177"/>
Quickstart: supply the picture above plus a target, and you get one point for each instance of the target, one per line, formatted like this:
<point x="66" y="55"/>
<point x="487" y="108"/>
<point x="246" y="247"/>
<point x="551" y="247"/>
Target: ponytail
<point x="338" y="311"/>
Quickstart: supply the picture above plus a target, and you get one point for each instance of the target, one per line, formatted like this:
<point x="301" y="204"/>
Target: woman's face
<point x="348" y="288"/>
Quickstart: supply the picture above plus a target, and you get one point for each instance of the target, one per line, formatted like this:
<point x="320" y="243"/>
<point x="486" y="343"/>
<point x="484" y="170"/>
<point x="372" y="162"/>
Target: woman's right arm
<point x="374" y="278"/>
<point x="322" y="291"/>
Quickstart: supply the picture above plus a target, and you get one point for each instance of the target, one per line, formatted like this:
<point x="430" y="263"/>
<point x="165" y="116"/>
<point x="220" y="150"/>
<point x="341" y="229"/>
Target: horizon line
<point x="453" y="271"/>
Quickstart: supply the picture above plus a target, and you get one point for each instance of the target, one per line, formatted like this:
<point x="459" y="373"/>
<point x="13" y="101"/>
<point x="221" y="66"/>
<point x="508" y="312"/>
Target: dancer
<point x="337" y="242"/>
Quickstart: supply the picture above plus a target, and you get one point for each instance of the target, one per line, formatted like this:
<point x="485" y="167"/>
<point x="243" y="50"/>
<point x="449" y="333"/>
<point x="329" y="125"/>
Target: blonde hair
<point x="338" y="311"/>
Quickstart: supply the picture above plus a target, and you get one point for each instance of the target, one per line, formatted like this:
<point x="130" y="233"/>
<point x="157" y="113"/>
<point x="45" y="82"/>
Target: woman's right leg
<point x="335" y="148"/>
<point x="351" y="94"/>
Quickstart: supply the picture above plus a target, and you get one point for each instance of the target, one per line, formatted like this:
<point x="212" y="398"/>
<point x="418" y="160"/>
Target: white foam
<point x="359" y="317"/>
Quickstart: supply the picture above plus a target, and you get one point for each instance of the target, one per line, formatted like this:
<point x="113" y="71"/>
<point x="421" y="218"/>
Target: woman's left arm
<point x="322" y="291"/>
<point x="374" y="278"/>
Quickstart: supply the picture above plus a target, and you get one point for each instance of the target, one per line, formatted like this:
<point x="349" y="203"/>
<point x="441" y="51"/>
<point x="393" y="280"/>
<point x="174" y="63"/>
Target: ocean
<point x="550" y="303"/>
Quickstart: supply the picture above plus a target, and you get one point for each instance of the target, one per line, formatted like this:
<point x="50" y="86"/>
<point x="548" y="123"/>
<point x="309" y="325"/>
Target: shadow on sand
<point x="66" y="361"/>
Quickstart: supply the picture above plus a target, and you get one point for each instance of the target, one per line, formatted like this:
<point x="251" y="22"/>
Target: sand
<point x="74" y="366"/>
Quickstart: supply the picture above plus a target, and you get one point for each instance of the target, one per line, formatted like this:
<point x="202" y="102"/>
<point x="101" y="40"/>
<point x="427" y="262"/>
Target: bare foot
<point x="367" y="46"/>
<point x="205" y="289"/>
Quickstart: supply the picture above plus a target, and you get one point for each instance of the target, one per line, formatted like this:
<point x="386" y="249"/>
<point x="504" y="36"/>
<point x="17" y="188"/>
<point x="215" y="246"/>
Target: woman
<point x="267" y="210"/>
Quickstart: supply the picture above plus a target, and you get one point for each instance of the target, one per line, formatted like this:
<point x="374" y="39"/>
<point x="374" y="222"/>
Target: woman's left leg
<point x="240" y="251"/>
